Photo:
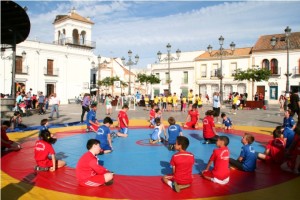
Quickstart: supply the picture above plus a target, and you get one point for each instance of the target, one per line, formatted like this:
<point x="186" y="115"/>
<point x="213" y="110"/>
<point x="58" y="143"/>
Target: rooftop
<point x="72" y="15"/>
<point x="238" y="52"/>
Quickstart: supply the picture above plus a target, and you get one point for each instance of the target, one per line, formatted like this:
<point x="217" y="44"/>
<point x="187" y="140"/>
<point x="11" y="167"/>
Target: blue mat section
<point x="31" y="128"/>
<point x="135" y="157"/>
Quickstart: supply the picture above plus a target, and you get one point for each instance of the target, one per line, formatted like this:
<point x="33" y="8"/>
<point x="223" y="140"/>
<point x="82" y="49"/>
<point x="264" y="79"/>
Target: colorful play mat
<point x="138" y="168"/>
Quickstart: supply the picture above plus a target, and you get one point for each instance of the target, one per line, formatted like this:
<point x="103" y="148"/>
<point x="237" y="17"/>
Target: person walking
<point x="85" y="105"/>
<point x="216" y="106"/>
<point x="41" y="101"/>
<point x="54" y="101"/>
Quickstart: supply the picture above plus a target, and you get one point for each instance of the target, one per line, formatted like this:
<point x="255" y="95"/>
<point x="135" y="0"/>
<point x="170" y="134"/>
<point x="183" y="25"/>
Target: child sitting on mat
<point x="174" y="130"/>
<point x="152" y="114"/>
<point x="227" y="123"/>
<point x="42" y="150"/>
<point x="193" y="115"/>
<point x="159" y="127"/>
<point x="220" y="158"/>
<point x="104" y="136"/>
<point x="182" y="163"/>
<point x="91" y="120"/>
<point x="158" y="114"/>
<point x="6" y="143"/>
<point x="123" y="122"/>
<point x="275" y="148"/>
<point x="88" y="171"/>
<point x="247" y="159"/>
<point x="209" y="131"/>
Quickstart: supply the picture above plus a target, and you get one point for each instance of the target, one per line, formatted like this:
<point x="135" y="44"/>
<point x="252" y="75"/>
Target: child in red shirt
<point x="6" y="144"/>
<point x="152" y="114"/>
<point x="43" y="148"/>
<point x="123" y="122"/>
<point x="182" y="163"/>
<point x="275" y="148"/>
<point x="209" y="131"/>
<point x="88" y="171"/>
<point x="220" y="159"/>
<point x="193" y="114"/>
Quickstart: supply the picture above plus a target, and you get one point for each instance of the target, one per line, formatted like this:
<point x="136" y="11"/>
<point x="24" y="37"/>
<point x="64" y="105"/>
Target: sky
<point x="146" y="27"/>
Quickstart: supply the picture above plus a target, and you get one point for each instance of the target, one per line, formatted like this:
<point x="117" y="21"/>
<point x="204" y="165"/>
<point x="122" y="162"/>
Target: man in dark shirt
<point x="295" y="103"/>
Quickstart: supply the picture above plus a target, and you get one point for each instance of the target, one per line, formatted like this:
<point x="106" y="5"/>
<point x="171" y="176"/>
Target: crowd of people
<point x="283" y="149"/>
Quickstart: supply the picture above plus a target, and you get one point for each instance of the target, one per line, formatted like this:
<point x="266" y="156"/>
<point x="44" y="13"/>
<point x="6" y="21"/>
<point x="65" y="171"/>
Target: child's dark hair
<point x="93" y="105"/>
<point x="225" y="139"/>
<point x="46" y="136"/>
<point x="107" y="120"/>
<point x="210" y="112"/>
<point x="91" y="142"/>
<point x="277" y="133"/>
<point x="125" y="106"/>
<point x="153" y="105"/>
<point x="194" y="106"/>
<point x="6" y="123"/>
<point x="44" y="122"/>
<point x="171" y="120"/>
<point x="157" y="120"/>
<point x="250" y="138"/>
<point x="183" y="141"/>
<point x="157" y="109"/>
<point x="223" y="115"/>
<point x="16" y="113"/>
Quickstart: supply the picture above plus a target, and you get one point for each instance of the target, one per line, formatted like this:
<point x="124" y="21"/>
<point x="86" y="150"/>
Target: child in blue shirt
<point x="174" y="131"/>
<point x="91" y="120"/>
<point x="158" y="129"/>
<point x="289" y="126"/>
<point x="226" y="121"/>
<point x="247" y="160"/>
<point x="103" y="135"/>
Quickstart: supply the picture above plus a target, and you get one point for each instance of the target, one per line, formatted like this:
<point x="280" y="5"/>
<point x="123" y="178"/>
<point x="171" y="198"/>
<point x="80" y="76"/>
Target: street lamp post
<point x="129" y="64"/>
<point x="221" y="53"/>
<point x="169" y="58"/>
<point x="274" y="40"/>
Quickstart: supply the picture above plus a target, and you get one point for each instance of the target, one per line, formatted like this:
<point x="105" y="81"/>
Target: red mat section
<point x="20" y="166"/>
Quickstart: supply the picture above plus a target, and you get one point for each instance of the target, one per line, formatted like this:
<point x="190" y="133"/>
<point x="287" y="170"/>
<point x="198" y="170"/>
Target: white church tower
<point x="73" y="30"/>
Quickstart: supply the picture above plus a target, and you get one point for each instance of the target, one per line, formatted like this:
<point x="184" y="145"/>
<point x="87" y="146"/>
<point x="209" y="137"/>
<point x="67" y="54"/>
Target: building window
<point x="203" y="70"/>
<point x="274" y="92"/>
<point x="157" y="75"/>
<point x="185" y="78"/>
<point x="49" y="67"/>
<point x="274" y="66"/>
<point x="184" y="92"/>
<point x="265" y="64"/>
<point x="214" y="72"/>
<point x="156" y="92"/>
<point x="19" y="64"/>
<point x="233" y="68"/>
<point x="75" y="36"/>
<point x="167" y="77"/>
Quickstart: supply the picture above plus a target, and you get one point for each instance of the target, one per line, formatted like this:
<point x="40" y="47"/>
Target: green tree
<point x="253" y="75"/>
<point x="147" y="79"/>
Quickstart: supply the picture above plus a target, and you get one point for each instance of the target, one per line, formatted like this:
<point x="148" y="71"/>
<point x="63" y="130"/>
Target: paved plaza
<point x="72" y="112"/>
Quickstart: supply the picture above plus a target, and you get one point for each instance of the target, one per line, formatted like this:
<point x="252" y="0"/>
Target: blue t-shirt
<point x="249" y="158"/>
<point x="41" y="99"/>
<point x="91" y="116"/>
<point x="173" y="132"/>
<point x="288" y="132"/>
<point x="227" y="122"/>
<point x="156" y="133"/>
<point x="101" y="135"/>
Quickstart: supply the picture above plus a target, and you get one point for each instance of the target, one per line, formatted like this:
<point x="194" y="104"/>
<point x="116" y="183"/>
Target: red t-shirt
<point x="4" y="137"/>
<point x="208" y="124"/>
<point x="87" y="167"/>
<point x="194" y="115"/>
<point x="220" y="157"/>
<point x="152" y="114"/>
<point x="41" y="151"/>
<point x="277" y="148"/>
<point x="183" y="163"/>
<point x="294" y="153"/>
<point x="122" y="115"/>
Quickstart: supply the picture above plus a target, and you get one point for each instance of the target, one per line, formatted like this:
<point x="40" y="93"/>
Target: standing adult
<point x="281" y="101"/>
<point x="216" y="106"/>
<point x="85" y="105"/>
<point x="28" y="98"/>
<point x="108" y="104"/>
<point x="295" y="103"/>
<point x="41" y="100"/>
<point x="138" y="98"/>
<point x="190" y="99"/>
<point x="54" y="101"/>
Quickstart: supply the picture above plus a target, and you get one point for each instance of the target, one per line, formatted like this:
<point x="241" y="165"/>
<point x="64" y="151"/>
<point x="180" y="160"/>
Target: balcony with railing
<point x="23" y="70"/>
<point x="214" y="74"/>
<point x="296" y="71"/>
<point x="75" y="42"/>
<point x="53" y="72"/>
<point x="276" y="72"/>
<point x="203" y="74"/>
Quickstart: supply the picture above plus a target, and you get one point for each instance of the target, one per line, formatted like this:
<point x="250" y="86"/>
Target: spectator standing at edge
<point x="216" y="106"/>
<point x="295" y="103"/>
<point x="85" y="105"/>
<point x="54" y="101"/>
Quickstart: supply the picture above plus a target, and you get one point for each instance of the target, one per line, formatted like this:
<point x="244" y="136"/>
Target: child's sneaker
<point x="109" y="182"/>
<point x="113" y="135"/>
<point x="38" y="168"/>
<point x="175" y="187"/>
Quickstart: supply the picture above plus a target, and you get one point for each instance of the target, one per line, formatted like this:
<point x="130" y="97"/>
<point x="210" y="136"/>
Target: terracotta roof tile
<point x="74" y="16"/>
<point x="264" y="42"/>
<point x="215" y="54"/>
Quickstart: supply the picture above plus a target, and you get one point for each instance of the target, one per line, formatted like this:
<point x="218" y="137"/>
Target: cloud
<point x="146" y="27"/>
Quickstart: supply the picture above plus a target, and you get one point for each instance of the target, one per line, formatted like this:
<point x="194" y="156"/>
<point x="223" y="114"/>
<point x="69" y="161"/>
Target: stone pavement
<point x="72" y="112"/>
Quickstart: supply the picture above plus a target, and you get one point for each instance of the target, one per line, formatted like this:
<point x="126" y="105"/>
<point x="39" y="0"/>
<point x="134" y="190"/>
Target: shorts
<point x="234" y="106"/>
<point x="105" y="147"/>
<point x="217" y="112"/>
<point x="93" y="181"/>
<point x="184" y="105"/>
<point x="214" y="179"/>
<point x="190" y="102"/>
<point x="93" y="128"/>
<point x="108" y="106"/>
<point x="175" y="104"/>
<point x="123" y="130"/>
<point x="200" y="106"/>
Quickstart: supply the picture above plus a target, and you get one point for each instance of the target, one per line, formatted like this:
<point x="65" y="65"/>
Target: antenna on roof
<point x="73" y="10"/>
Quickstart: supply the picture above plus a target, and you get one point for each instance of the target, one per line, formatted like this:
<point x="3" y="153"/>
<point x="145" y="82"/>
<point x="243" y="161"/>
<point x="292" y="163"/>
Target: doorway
<point x="49" y="89"/>
<point x="260" y="89"/>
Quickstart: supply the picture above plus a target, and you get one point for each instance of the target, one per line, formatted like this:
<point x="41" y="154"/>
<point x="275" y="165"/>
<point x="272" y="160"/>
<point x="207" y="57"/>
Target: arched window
<point x="274" y="66"/>
<point x="75" y="36"/>
<point x="265" y="64"/>
<point x="82" y="37"/>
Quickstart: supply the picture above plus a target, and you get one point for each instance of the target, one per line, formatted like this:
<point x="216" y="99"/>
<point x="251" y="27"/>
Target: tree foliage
<point x="109" y="81"/>
<point x="144" y="78"/>
<point x="255" y="75"/>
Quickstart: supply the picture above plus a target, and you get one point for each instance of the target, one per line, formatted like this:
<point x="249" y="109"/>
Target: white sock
<point x="170" y="184"/>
